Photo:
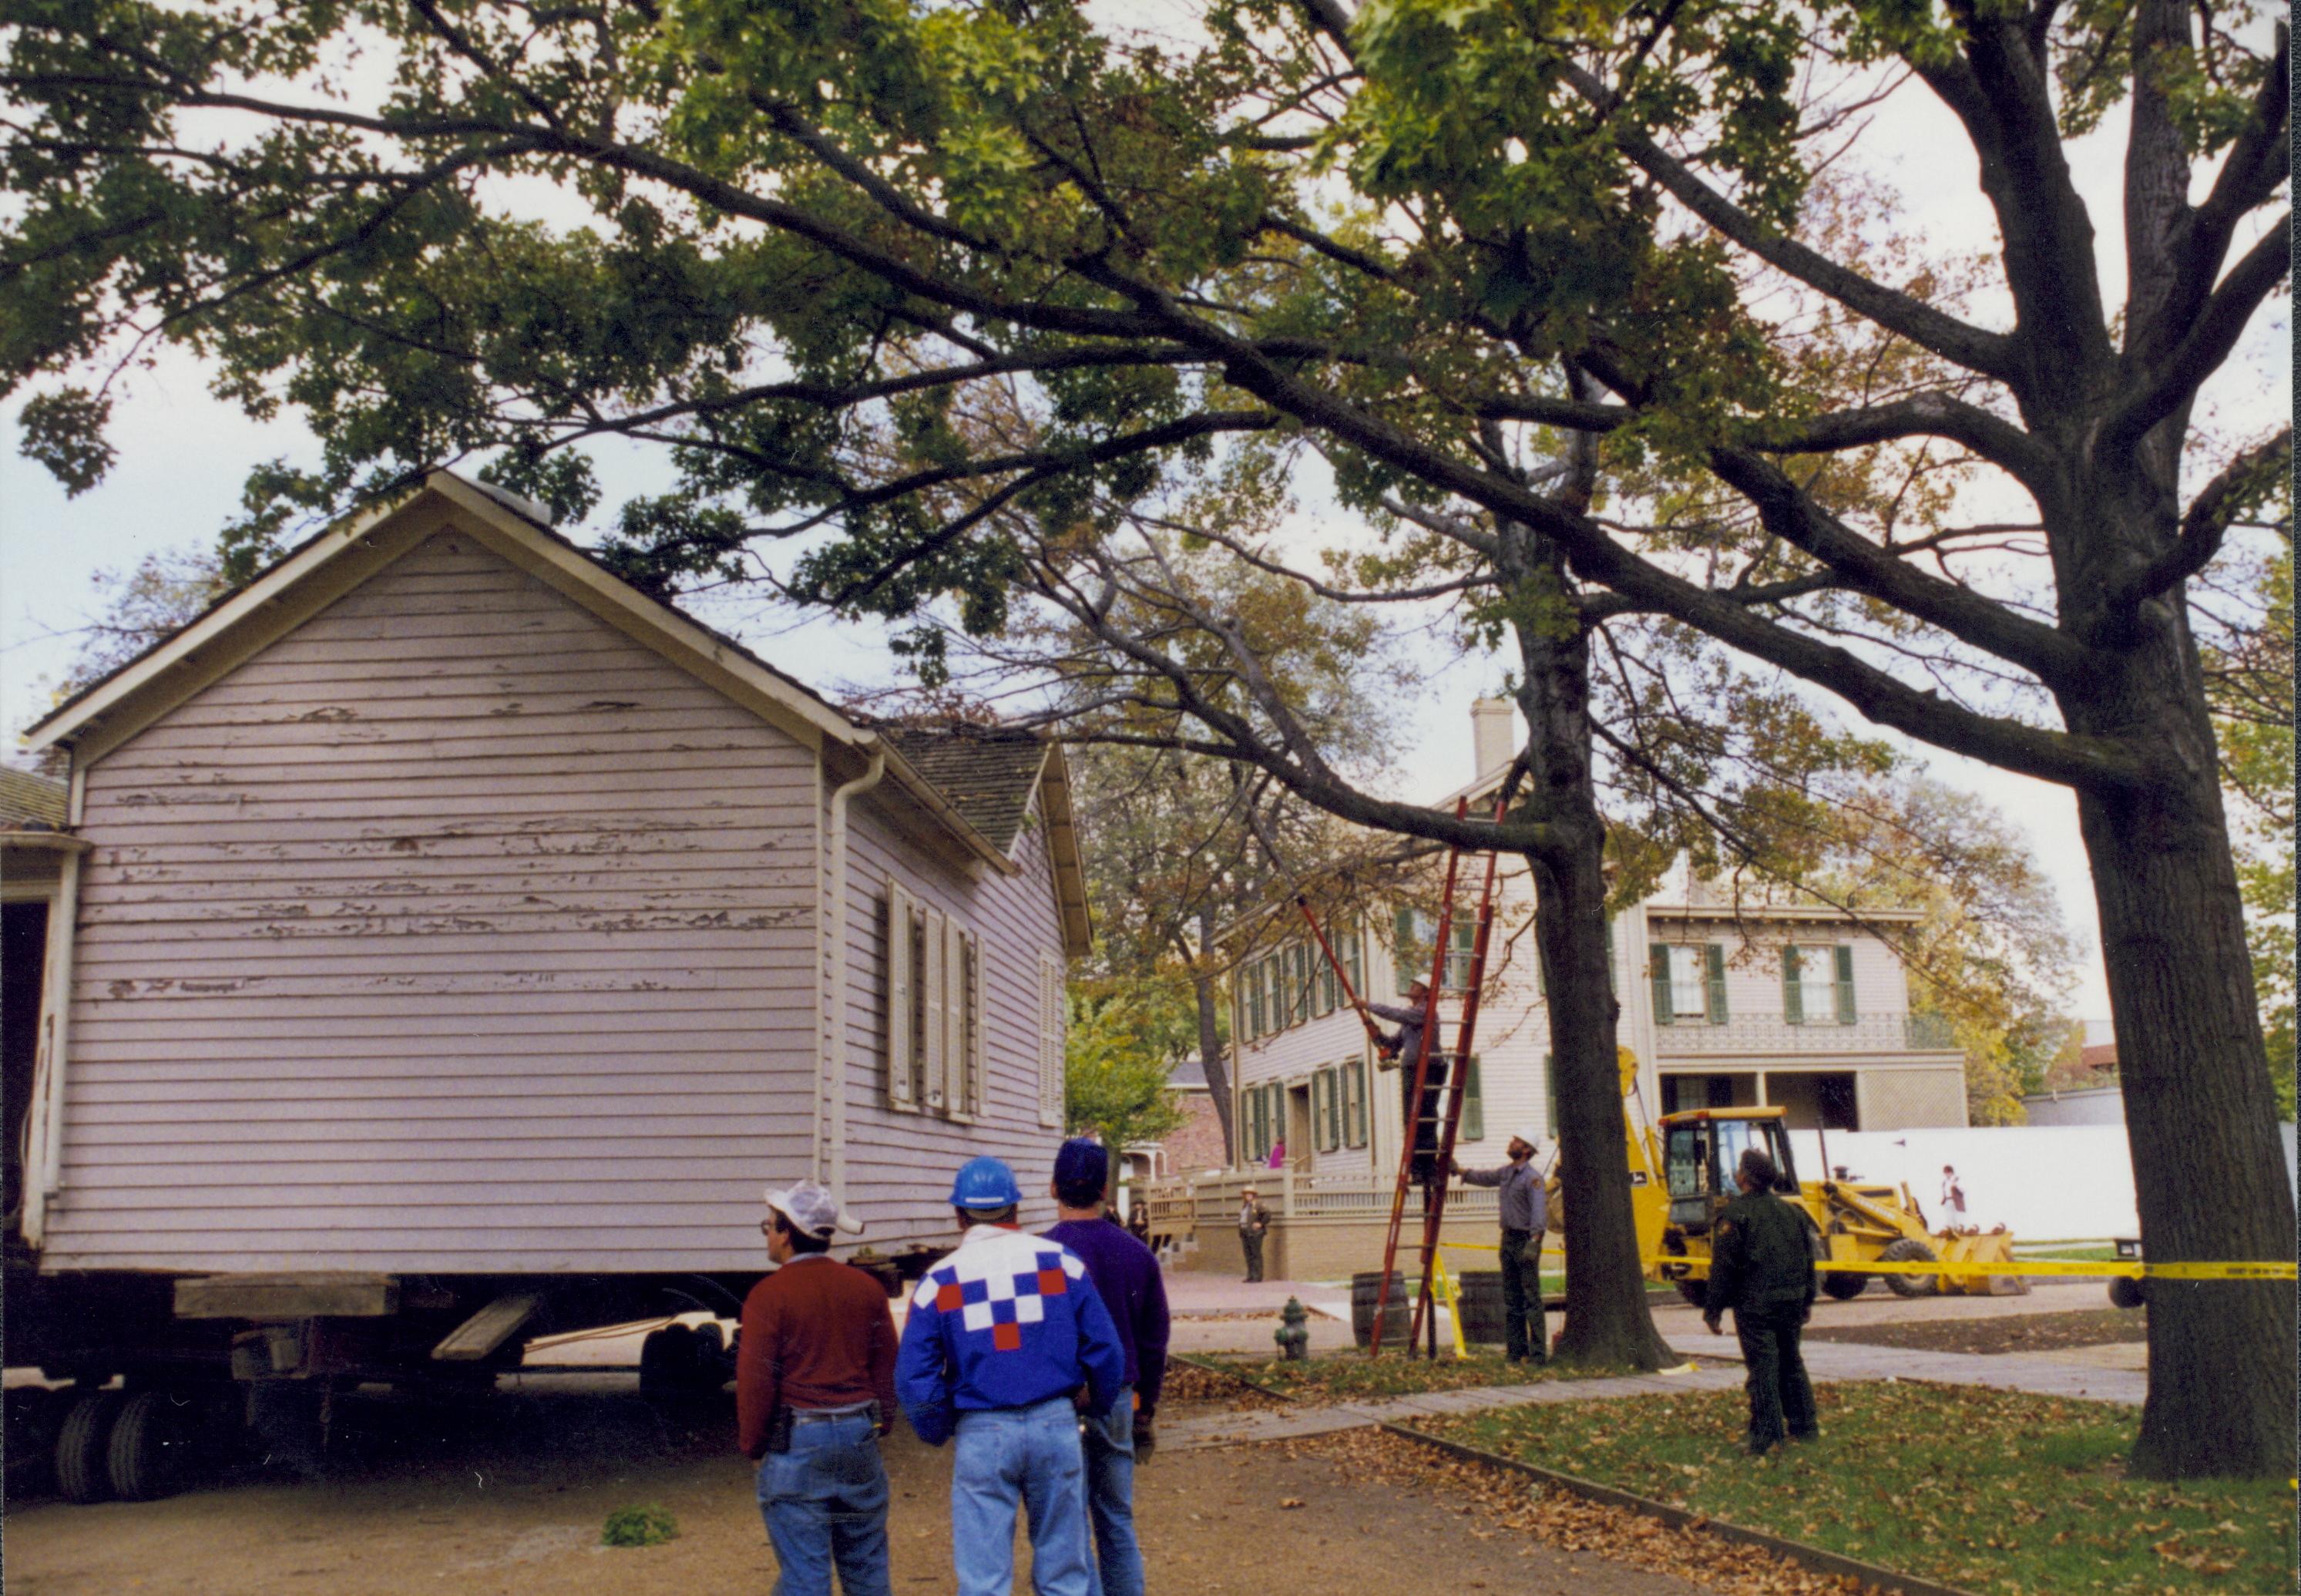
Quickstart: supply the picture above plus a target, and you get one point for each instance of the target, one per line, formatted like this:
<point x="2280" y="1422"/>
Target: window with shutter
<point x="1353" y="961"/>
<point x="933" y="975"/>
<point x="1050" y="1042"/>
<point x="1321" y="1111"/>
<point x="1613" y="983"/>
<point x="1274" y="986"/>
<point x="1464" y="935"/>
<point x="1354" y="1121"/>
<point x="1713" y="962"/>
<point x="1322" y="982"/>
<point x="1846" y="1013"/>
<point x="1474" y="1103"/>
<point x="1249" y="981"/>
<point x="1665" y="1007"/>
<point x="902" y="1007"/>
<point x="1688" y="978"/>
<point x="1792" y="988"/>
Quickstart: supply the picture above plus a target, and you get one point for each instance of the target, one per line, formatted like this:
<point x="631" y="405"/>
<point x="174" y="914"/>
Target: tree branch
<point x="2208" y="519"/>
<point x="1920" y="415"/>
<point x="2171" y="383"/>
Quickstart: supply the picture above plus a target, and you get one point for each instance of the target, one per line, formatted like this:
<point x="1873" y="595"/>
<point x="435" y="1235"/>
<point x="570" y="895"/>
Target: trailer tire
<point x="151" y="1445"/>
<point x="84" y="1445"/>
<point x="1844" y="1284"/>
<point x="668" y="1361"/>
<point x="1909" y="1250"/>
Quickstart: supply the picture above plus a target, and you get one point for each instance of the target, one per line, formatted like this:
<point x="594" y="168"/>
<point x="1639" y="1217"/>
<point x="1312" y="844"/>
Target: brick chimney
<point x="1493" y="739"/>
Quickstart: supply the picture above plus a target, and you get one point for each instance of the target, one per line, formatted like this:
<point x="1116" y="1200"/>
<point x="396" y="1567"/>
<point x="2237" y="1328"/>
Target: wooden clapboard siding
<point x="899" y="1164"/>
<point x="455" y="930"/>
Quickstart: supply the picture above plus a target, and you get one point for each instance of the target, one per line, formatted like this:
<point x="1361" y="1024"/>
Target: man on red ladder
<point x="1408" y="1044"/>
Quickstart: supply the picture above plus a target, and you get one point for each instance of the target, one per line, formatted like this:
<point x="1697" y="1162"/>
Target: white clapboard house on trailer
<point x="441" y="906"/>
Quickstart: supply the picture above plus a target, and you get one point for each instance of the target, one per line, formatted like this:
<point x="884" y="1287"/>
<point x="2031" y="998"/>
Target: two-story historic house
<point x="1725" y="1002"/>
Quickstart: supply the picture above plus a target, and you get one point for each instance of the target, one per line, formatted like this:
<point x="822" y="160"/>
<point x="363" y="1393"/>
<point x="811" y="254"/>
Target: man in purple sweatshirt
<point x="1126" y="1276"/>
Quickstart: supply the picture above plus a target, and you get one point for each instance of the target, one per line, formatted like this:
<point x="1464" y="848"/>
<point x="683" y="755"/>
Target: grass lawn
<point x="1353" y="1376"/>
<point x="2000" y="1493"/>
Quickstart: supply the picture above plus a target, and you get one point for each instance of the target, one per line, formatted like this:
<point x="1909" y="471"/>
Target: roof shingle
<point x="987" y="772"/>
<point x="29" y="800"/>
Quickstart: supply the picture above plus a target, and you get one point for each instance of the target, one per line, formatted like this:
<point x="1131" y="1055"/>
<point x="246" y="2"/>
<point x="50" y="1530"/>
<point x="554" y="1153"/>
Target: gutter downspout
<point x="831" y="1127"/>
<point x="44" y="1178"/>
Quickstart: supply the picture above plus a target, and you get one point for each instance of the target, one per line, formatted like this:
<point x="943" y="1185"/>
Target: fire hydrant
<point x="1293" y="1335"/>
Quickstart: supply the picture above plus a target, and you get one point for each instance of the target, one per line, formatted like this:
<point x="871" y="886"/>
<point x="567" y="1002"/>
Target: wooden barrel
<point x="1397" y="1315"/>
<point x="1484" y="1322"/>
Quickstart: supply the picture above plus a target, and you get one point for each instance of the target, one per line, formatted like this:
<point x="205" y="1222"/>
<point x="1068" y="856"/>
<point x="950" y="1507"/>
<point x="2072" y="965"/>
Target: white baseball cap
<point x="812" y="1210"/>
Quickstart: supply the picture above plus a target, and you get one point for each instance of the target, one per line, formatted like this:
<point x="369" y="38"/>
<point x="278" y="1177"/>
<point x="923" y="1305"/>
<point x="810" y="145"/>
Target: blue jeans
<point x="1110" y="1443"/>
<point x="825" y="1502"/>
<point x="1031" y="1455"/>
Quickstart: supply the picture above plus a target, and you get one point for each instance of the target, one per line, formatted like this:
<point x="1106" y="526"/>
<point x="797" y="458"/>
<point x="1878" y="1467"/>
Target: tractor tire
<point x="1909" y="1250"/>
<point x="668" y="1358"/>
<point x="1844" y="1285"/>
<point x="83" y="1447"/>
<point x="151" y="1447"/>
<point x="2127" y="1293"/>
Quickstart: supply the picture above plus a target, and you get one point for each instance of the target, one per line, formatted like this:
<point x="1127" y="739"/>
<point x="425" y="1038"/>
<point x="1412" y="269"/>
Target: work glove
<point x="1146" y="1440"/>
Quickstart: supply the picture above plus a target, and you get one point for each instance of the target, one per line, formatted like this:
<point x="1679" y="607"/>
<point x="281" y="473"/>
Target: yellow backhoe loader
<point x="1682" y="1172"/>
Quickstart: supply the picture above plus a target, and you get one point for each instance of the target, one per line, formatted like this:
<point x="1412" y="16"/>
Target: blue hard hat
<point x="984" y="1183"/>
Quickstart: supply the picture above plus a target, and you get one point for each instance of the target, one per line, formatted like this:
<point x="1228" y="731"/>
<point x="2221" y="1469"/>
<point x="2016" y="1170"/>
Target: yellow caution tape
<point x="1969" y="1268"/>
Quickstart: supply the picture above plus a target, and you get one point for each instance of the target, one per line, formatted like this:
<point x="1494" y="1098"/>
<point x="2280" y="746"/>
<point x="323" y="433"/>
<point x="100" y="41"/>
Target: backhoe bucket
<point x="1995" y="1247"/>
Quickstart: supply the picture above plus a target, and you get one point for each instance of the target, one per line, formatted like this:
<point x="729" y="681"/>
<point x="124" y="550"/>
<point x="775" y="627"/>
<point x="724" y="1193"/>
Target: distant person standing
<point x="1126" y="1278"/>
<point x="814" y="1389"/>
<point x="1525" y="1207"/>
<point x="1253" y="1224"/>
<point x="1007" y="1343"/>
<point x="1762" y="1266"/>
<point x="1953" y="1200"/>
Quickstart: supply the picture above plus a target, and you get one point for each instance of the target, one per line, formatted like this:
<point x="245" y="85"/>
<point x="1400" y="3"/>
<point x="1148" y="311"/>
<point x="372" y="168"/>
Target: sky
<point x="183" y="455"/>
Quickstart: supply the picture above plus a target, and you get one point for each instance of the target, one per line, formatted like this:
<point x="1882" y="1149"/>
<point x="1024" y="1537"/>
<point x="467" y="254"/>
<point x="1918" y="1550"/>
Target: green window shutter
<point x="1550" y="1097"/>
<point x="1658" y="957"/>
<point x="1319" y="1109"/>
<point x="1793" y="992"/>
<point x="1351" y="962"/>
<point x="1357" y="1123"/>
<point x="1334" y="1077"/>
<point x="1298" y="964"/>
<point x="1274" y="981"/>
<point x="1845" y="1011"/>
<point x="1403" y="949"/>
<point x="1614" y="982"/>
<point x="1249" y="979"/>
<point x="1714" y="957"/>
<point x="1474" y="1103"/>
<point x="1261" y="1122"/>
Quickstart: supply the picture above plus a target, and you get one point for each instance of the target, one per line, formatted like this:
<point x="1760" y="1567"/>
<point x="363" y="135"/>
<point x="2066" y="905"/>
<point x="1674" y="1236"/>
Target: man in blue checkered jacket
<point x="1007" y="1343"/>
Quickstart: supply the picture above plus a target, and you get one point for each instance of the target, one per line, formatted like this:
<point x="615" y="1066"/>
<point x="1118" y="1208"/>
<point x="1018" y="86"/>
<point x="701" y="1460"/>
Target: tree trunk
<point x="2200" y="1118"/>
<point x="1607" y="1320"/>
<point x="1210" y="1048"/>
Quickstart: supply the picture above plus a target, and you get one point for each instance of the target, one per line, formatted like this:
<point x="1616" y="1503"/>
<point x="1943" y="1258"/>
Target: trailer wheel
<point x="151" y="1444"/>
<point x="669" y="1360"/>
<point x="1844" y="1284"/>
<point x="83" y="1447"/>
<point x="1909" y="1250"/>
<point x="2127" y="1293"/>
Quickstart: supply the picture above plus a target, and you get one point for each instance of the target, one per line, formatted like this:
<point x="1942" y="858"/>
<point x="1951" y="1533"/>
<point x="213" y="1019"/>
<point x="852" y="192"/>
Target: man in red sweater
<point x="814" y="1389"/>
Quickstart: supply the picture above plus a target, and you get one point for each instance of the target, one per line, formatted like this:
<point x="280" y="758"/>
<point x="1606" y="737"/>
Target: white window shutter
<point x="1050" y="1042"/>
<point x="931" y="978"/>
<point x="954" y="1019"/>
<point x="902" y="1012"/>
<point x="971" y="1099"/>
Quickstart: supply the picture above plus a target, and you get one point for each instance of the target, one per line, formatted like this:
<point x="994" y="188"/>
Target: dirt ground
<point x="506" y="1499"/>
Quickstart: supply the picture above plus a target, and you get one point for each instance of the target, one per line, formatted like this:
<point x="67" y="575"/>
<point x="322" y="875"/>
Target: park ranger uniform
<point x="1762" y="1266"/>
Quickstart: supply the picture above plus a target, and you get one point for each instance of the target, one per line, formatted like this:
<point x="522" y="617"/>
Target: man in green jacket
<point x="1762" y="1266"/>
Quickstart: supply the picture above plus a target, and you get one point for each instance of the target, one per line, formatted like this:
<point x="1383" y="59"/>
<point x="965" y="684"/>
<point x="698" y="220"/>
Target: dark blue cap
<point x="1082" y="1163"/>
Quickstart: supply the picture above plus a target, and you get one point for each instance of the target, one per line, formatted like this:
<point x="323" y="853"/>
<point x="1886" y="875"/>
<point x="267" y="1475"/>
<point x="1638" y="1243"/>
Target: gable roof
<point x="332" y="563"/>
<point x="31" y="800"/>
<point x="988" y="772"/>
